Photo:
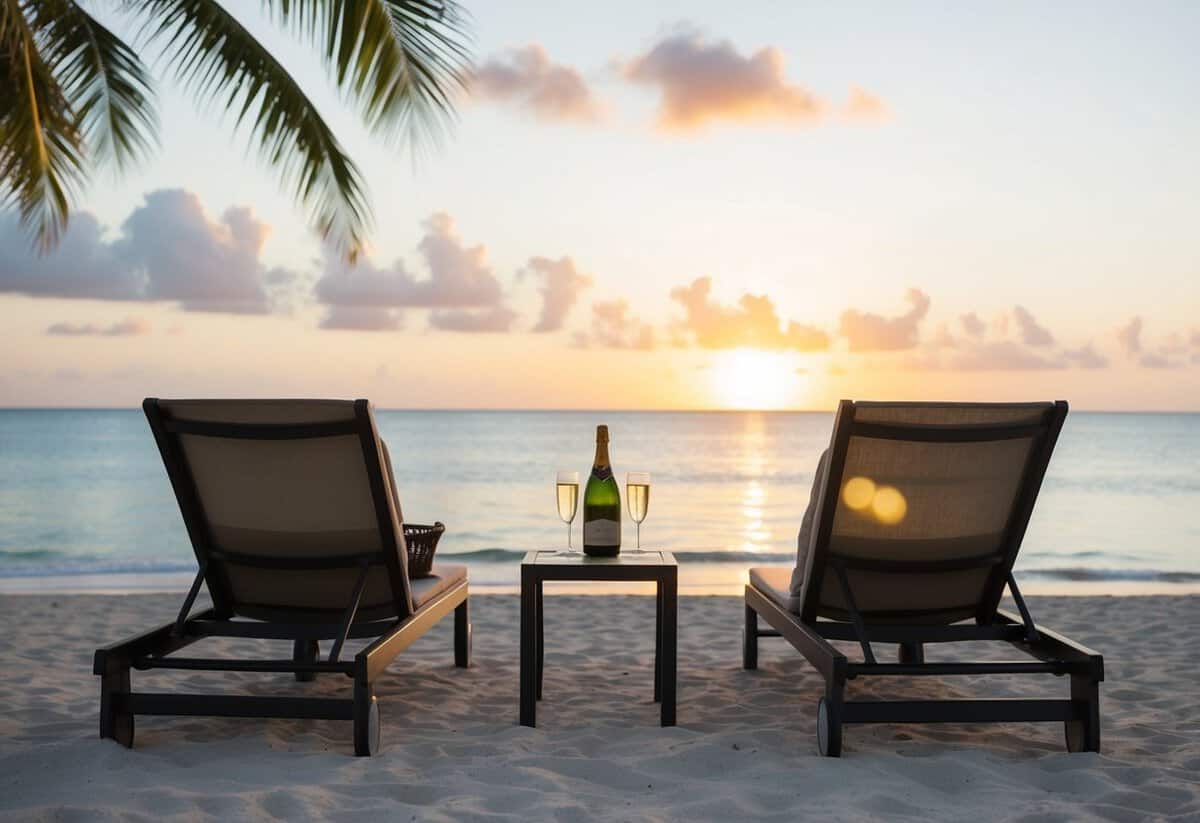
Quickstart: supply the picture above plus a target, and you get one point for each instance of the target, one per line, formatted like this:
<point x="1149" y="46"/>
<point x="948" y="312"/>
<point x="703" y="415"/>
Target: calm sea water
<point x="85" y="503"/>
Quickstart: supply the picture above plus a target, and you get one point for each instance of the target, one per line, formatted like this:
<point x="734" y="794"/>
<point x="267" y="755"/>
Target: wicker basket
<point x="422" y="543"/>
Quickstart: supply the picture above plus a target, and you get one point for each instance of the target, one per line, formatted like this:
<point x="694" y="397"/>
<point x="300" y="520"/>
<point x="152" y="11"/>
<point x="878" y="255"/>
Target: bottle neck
<point x="601" y="461"/>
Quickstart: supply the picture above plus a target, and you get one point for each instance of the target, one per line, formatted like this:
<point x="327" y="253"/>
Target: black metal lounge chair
<point x="916" y="517"/>
<point x="292" y="511"/>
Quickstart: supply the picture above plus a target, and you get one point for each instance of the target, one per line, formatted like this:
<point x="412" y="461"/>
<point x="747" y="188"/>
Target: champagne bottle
<point x="602" y="504"/>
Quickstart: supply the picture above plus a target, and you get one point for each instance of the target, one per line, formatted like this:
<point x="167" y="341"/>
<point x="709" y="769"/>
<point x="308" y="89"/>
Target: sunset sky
<point x="674" y="205"/>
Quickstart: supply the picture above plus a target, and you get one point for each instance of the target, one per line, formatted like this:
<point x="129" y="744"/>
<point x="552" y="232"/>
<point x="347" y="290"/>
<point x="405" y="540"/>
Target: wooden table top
<point x="626" y="558"/>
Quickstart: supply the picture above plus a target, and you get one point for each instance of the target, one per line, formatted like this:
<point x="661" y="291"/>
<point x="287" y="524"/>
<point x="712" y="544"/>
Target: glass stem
<point x="638" y="531"/>
<point x="569" y="548"/>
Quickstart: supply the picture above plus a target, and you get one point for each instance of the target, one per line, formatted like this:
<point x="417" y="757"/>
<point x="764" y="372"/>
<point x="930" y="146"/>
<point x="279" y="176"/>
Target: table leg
<point x="670" y="625"/>
<point x="528" y="648"/>
<point x="658" y="637"/>
<point x="541" y="641"/>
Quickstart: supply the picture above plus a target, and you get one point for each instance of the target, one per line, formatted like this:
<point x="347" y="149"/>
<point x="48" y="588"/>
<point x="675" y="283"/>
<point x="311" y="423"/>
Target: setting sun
<point x="754" y="379"/>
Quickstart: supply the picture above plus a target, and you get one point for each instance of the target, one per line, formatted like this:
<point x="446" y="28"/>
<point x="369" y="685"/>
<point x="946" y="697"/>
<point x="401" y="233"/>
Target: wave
<point x="51" y="563"/>
<point x="1081" y="574"/>
<point x="515" y="555"/>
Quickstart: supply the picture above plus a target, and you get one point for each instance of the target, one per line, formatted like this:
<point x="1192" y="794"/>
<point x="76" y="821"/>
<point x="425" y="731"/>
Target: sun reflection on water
<point x="755" y="536"/>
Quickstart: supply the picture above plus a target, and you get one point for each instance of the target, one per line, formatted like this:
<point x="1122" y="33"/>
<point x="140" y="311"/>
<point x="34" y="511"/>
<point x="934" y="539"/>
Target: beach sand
<point x="744" y="748"/>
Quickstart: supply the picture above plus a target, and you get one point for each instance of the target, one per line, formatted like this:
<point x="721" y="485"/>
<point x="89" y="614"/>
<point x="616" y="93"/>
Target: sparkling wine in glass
<point x="567" y="492"/>
<point x="637" y="492"/>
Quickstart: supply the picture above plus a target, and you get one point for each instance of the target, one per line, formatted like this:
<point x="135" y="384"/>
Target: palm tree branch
<point x="214" y="55"/>
<point x="404" y="61"/>
<point x="42" y="161"/>
<point x="108" y="85"/>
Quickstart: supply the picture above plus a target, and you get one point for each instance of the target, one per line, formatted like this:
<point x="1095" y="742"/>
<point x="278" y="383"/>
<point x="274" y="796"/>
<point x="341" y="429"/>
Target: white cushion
<point x="773" y="582"/>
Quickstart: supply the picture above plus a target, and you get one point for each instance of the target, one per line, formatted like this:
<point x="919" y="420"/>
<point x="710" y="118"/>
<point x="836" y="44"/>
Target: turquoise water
<point x="85" y="503"/>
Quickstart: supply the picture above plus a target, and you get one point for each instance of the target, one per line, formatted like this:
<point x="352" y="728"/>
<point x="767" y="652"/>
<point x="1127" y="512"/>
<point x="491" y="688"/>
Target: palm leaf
<point x="216" y="57"/>
<point x="42" y="161"/>
<point x="403" y="60"/>
<point x="105" y="80"/>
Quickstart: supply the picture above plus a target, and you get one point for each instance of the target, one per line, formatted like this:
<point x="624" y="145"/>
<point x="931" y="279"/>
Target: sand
<point x="744" y="747"/>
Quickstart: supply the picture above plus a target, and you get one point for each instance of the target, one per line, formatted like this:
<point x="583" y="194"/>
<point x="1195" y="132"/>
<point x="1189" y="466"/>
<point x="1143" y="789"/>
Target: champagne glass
<point x="567" y="492"/>
<point x="637" y="492"/>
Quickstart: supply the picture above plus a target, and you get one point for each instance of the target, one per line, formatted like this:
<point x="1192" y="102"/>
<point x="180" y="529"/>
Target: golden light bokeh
<point x="858" y="492"/>
<point x="886" y="504"/>
<point x="889" y="505"/>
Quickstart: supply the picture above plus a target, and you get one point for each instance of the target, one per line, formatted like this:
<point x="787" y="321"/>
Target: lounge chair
<point x="292" y="512"/>
<point x="916" y="517"/>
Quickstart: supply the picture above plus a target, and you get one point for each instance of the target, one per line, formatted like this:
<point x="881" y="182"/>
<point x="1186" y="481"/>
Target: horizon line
<point x="580" y="410"/>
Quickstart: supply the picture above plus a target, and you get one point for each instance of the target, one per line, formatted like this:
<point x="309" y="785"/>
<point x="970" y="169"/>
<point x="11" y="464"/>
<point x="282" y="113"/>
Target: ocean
<point x="85" y="504"/>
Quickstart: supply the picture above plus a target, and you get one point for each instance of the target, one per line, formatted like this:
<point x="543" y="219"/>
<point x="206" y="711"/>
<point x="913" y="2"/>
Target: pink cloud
<point x="701" y="82"/>
<point x="752" y="322"/>
<point x="865" y="331"/>
<point x="528" y="78"/>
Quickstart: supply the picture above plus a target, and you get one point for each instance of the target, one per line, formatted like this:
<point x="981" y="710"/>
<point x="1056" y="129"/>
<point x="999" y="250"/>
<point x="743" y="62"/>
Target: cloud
<point x="700" y="82"/>
<point x="1086" y="357"/>
<point x="1002" y="355"/>
<point x="459" y="278"/>
<point x="752" y="322"/>
<point x="561" y="285"/>
<point x="204" y="265"/>
<point x="128" y="327"/>
<point x="168" y="250"/>
<point x="459" y="274"/>
<point x="1031" y="333"/>
<point x="865" y="107"/>
<point x="972" y="325"/>
<point x="1130" y="336"/>
<point x="614" y="327"/>
<point x="83" y="266"/>
<point x="943" y="339"/>
<point x="1170" y="353"/>
<point x="498" y="319"/>
<point x="1157" y="360"/>
<point x="361" y="318"/>
<point x="364" y="285"/>
<point x="527" y="77"/>
<point x="872" y="332"/>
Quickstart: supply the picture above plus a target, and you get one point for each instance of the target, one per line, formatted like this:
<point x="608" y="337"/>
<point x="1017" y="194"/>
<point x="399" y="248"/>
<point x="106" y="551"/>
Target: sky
<point x="676" y="206"/>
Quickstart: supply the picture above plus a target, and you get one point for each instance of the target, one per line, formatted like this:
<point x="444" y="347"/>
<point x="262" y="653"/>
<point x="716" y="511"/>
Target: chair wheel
<point x="1076" y="735"/>
<point x="829" y="736"/>
<point x="366" y="731"/>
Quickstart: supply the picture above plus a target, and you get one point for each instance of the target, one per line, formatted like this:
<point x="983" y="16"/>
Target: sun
<point x="754" y="379"/>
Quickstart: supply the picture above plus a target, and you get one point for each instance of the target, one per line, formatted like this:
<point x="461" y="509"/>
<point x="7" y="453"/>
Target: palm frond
<point x="212" y="54"/>
<point x="108" y="85"/>
<point x="403" y="61"/>
<point x="42" y="160"/>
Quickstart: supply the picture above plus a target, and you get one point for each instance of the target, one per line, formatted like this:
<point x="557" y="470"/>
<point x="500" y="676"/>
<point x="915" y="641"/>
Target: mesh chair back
<point x="925" y="507"/>
<point x="285" y="502"/>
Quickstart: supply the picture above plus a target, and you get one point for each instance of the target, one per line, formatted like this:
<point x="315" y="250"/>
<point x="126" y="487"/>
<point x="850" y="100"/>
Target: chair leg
<point x="1084" y="735"/>
<point x="115" y="724"/>
<point x="305" y="651"/>
<point x="912" y="653"/>
<point x="462" y="635"/>
<point x="750" y="639"/>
